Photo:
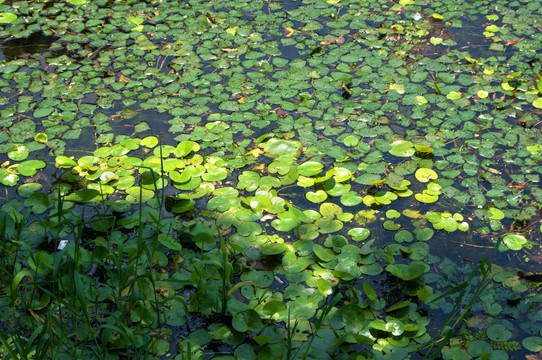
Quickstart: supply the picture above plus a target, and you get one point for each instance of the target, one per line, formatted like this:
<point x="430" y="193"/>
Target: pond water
<point x="359" y="159"/>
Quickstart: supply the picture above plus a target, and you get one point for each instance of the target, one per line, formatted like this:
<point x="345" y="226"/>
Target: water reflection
<point x="36" y="43"/>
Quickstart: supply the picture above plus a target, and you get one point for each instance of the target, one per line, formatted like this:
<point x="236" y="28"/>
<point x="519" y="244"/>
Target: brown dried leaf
<point x="534" y="357"/>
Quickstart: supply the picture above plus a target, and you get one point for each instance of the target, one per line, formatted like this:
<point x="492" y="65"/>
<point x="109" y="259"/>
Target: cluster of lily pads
<point x="321" y="169"/>
<point x="286" y="255"/>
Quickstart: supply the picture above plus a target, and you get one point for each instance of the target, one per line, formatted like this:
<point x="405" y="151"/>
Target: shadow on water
<point x="36" y="43"/>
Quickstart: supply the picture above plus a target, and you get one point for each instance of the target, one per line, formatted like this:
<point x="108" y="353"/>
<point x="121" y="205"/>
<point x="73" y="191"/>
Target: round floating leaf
<point x="41" y="138"/>
<point x="169" y="242"/>
<point x="390" y="225"/>
<point x="393" y="214"/>
<point x="426" y="198"/>
<point x="323" y="253"/>
<point x="324" y="287"/>
<point x="183" y="205"/>
<point x="369" y="291"/>
<point x="329" y="209"/>
<point x="453" y="95"/>
<point x="149" y="141"/>
<point x="18" y="153"/>
<point x="215" y="173"/>
<point x="403" y="236"/>
<point x="425" y="175"/>
<point x="135" y="20"/>
<point x="482" y="94"/>
<point x="408" y="272"/>
<point x="277" y="147"/>
<point x="6" y="18"/>
<point x="402" y="148"/>
<point x="39" y="203"/>
<point x="273" y="307"/>
<point x="284" y="224"/>
<point x="186" y="147"/>
<point x="30" y="167"/>
<point x="349" y="316"/>
<point x="537" y="103"/>
<point x="396" y="327"/>
<point x="316" y="197"/>
<point x="8" y="179"/>
<point x="514" y="241"/>
<point x="138" y="195"/>
<point x="496" y="214"/>
<point x="247" y="320"/>
<point x="532" y="343"/>
<point x="25" y="190"/>
<point x="43" y="112"/>
<point x="351" y="140"/>
<point x="351" y="199"/>
<point x="424" y="149"/>
<point x="455" y="354"/>
<point x="498" y="333"/>
<point x="310" y="168"/>
<point x="64" y="162"/>
<point x="423" y="234"/>
<point x="359" y="234"/>
<point x="273" y="249"/>
<point x="328" y="226"/>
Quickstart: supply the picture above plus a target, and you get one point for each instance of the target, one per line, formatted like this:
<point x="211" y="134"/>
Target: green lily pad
<point x="273" y="307"/>
<point x="532" y="343"/>
<point x="425" y="175"/>
<point x="43" y="112"/>
<point x="248" y="320"/>
<point x="136" y="195"/>
<point x="25" y="190"/>
<point x="424" y="148"/>
<point x="498" y="332"/>
<point x="41" y="138"/>
<point x="402" y="148"/>
<point x="426" y="198"/>
<point x="310" y="168"/>
<point x="359" y="234"/>
<point x="284" y="224"/>
<point x="328" y="226"/>
<point x="186" y="147"/>
<point x="324" y="287"/>
<point x="317" y="196"/>
<point x="149" y="141"/>
<point x="215" y="173"/>
<point x="408" y="272"/>
<point x="8" y="179"/>
<point x="514" y="241"/>
<point x="323" y="253"/>
<point x="18" y="153"/>
<point x="403" y="236"/>
<point x="277" y="147"/>
<point x="169" y="242"/>
<point x="183" y="205"/>
<point x="7" y="18"/>
<point x="30" y="167"/>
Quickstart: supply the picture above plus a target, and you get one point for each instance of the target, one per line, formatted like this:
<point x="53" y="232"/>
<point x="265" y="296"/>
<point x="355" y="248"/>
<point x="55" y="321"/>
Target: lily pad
<point x="30" y="167"/>
<point x="18" y="153"/>
<point x="408" y="272"/>
<point x="6" y="18"/>
<point x="425" y="175"/>
<point x="277" y="147"/>
<point x="402" y="148"/>
<point x="310" y="168"/>
<point x="514" y="241"/>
